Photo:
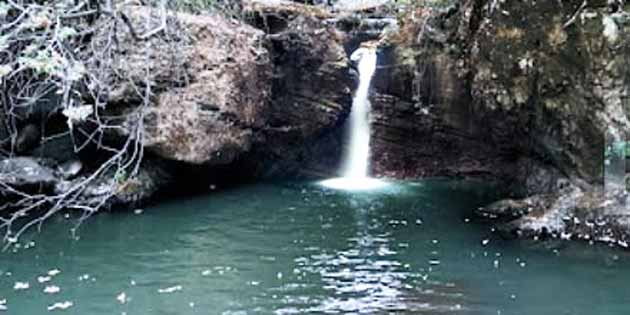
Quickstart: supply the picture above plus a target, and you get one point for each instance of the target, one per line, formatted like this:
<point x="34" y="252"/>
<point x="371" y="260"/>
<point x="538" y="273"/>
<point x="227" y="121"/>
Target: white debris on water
<point x="43" y="279"/>
<point x="54" y="272"/>
<point x="170" y="289"/>
<point x="485" y="242"/>
<point x="52" y="289"/>
<point x="60" y="306"/>
<point x="122" y="298"/>
<point x="21" y="286"/>
<point x="3" y="305"/>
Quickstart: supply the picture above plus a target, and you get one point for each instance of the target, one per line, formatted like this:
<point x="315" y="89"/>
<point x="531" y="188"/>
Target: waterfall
<point x="358" y="154"/>
<point x="356" y="162"/>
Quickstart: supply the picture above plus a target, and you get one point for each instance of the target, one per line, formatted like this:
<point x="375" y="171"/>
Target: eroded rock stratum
<point x="530" y="93"/>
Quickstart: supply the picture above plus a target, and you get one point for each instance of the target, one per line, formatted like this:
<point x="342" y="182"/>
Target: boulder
<point x="113" y="191"/>
<point x="27" y="174"/>
<point x="210" y="78"/>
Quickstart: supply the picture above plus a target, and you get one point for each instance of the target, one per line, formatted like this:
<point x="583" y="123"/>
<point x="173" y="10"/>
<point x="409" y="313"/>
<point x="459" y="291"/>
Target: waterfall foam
<point x="356" y="161"/>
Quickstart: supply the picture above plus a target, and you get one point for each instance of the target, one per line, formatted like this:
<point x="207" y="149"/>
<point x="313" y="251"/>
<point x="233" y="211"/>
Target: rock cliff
<point x="527" y="93"/>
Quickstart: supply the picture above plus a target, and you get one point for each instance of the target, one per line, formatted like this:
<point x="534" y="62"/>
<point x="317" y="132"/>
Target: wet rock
<point x="594" y="215"/>
<point x="26" y="174"/>
<point x="211" y="79"/>
<point x="113" y="191"/>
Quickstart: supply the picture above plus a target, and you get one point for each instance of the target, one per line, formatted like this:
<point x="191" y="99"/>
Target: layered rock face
<point x="311" y="91"/>
<point x="527" y="93"/>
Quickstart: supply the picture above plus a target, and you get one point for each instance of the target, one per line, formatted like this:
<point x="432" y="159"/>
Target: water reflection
<point x="366" y="277"/>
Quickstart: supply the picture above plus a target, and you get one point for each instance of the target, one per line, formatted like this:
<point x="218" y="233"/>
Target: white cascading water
<point x="356" y="162"/>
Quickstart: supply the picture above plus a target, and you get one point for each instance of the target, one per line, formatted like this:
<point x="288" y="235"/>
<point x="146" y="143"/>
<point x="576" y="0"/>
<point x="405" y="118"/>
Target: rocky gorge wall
<point x="526" y="94"/>
<point x="206" y="97"/>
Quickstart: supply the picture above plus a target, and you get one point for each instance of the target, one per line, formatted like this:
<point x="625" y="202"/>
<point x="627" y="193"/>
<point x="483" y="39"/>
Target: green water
<point x="295" y="248"/>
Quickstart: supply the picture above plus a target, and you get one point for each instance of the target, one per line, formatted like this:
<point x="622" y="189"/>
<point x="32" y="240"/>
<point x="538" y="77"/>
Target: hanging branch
<point x="44" y="52"/>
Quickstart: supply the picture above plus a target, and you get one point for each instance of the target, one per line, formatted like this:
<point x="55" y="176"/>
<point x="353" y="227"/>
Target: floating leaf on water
<point x="60" y="306"/>
<point x="52" y="289"/>
<point x="122" y="298"/>
<point x="43" y="279"/>
<point x="170" y="289"/>
<point x="21" y="286"/>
